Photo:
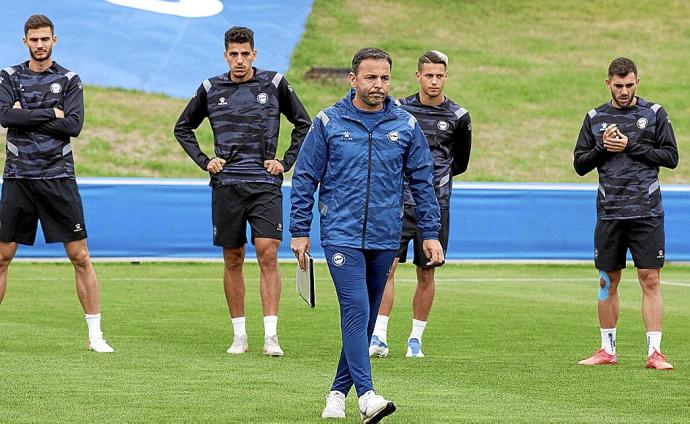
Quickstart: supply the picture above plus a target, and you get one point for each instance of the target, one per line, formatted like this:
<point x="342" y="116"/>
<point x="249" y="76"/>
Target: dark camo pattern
<point x="245" y="118"/>
<point x="38" y="143"/>
<point x="628" y="181"/>
<point x="448" y="129"/>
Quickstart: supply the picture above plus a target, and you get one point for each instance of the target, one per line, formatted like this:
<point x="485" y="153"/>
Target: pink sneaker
<point x="658" y="361"/>
<point x="600" y="357"/>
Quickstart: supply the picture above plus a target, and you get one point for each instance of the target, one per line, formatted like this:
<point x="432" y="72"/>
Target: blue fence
<point x="169" y="218"/>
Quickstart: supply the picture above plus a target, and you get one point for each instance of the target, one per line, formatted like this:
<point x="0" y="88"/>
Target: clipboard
<point x="304" y="282"/>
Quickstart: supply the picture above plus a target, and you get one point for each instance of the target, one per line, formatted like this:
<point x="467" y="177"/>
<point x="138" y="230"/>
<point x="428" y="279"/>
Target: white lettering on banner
<point x="184" y="8"/>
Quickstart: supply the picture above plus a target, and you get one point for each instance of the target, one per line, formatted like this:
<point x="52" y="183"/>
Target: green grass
<point x="501" y="346"/>
<point x="527" y="70"/>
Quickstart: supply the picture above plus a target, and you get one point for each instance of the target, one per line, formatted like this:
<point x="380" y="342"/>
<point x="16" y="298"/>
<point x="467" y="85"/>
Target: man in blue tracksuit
<point x="358" y="152"/>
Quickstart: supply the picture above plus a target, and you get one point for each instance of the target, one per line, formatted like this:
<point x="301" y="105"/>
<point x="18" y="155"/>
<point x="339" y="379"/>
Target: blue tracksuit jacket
<point x="360" y="173"/>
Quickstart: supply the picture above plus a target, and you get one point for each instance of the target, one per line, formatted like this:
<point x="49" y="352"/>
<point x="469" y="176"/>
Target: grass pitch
<point x="502" y="345"/>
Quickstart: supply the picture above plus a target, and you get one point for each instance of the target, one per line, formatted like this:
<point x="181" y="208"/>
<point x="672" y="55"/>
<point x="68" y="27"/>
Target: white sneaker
<point x="374" y="408"/>
<point x="378" y="347"/>
<point x="335" y="405"/>
<point x="271" y="346"/>
<point x="414" y="349"/>
<point x="239" y="345"/>
<point x="100" y="346"/>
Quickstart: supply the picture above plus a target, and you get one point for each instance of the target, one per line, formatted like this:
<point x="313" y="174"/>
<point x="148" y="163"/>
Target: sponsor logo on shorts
<point x="393" y="136"/>
<point x="78" y="228"/>
<point x="222" y="102"/>
<point x="338" y="259"/>
<point x="642" y="123"/>
<point x="262" y="98"/>
<point x="442" y="125"/>
<point x="280" y="226"/>
<point x="660" y="254"/>
<point x="55" y="88"/>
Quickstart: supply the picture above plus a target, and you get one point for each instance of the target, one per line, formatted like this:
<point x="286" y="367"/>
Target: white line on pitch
<point x="406" y="280"/>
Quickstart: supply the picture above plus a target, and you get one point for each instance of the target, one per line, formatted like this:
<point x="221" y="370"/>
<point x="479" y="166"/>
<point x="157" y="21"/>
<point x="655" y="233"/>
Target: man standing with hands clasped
<point x="357" y="153"/>
<point x="244" y="108"/>
<point x="627" y="139"/>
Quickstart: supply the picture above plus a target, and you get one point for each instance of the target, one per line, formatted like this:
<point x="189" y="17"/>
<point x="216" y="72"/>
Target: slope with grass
<point x="528" y="72"/>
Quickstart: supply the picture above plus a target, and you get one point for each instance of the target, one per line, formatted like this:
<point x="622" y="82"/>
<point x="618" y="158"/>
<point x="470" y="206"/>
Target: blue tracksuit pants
<point x="360" y="277"/>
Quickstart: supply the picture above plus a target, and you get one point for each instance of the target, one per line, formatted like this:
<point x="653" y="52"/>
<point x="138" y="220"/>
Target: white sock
<point x="608" y="340"/>
<point x="93" y="322"/>
<point x="381" y="327"/>
<point x="270" y="325"/>
<point x="653" y="342"/>
<point x="238" y="327"/>
<point x="417" y="330"/>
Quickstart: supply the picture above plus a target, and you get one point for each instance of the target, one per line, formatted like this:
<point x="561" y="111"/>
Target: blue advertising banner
<point x="171" y="218"/>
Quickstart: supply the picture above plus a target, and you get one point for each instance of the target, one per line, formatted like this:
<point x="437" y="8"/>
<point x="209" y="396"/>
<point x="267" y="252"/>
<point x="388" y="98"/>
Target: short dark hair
<point x="622" y="66"/>
<point x="432" y="56"/>
<point x="370" y="53"/>
<point x="38" y="21"/>
<point x="239" y="35"/>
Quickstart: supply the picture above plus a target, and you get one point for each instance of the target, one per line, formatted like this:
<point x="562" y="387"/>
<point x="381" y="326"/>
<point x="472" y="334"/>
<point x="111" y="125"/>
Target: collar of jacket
<point x="252" y="79"/>
<point x="52" y="69"/>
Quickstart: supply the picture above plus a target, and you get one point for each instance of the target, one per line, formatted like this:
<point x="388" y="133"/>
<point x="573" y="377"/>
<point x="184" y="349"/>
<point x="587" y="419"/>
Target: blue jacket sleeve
<point x="419" y="170"/>
<point x="309" y="171"/>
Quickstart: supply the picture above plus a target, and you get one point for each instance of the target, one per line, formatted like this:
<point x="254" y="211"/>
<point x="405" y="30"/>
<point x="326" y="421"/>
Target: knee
<point x="6" y="256"/>
<point x="5" y="261"/>
<point x="233" y="262"/>
<point x="268" y="258"/>
<point x="649" y="280"/>
<point x="80" y="258"/>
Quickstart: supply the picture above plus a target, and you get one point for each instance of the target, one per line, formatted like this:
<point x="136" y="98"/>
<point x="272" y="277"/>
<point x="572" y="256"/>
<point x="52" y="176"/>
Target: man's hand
<point x="614" y="140"/>
<point x="433" y="251"/>
<point x="215" y="165"/>
<point x="58" y="113"/>
<point x="274" y="167"/>
<point x="299" y="246"/>
<point x="17" y="105"/>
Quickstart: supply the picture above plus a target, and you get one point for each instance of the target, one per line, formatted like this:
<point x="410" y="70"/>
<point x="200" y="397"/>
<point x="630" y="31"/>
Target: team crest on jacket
<point x="55" y="88"/>
<point x="347" y="136"/>
<point x="393" y="136"/>
<point x="642" y="123"/>
<point x="262" y="98"/>
<point x="442" y="125"/>
<point x="338" y="259"/>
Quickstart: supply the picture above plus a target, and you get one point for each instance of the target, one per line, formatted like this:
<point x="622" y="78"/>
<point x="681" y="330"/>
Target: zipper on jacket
<point x="366" y="201"/>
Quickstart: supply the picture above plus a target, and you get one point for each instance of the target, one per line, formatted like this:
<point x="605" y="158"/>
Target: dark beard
<point x="48" y="56"/>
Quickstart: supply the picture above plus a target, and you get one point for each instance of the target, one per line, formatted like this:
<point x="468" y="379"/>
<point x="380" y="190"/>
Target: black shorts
<point x="56" y="202"/>
<point x="643" y="236"/>
<point x="233" y="205"/>
<point x="411" y="232"/>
